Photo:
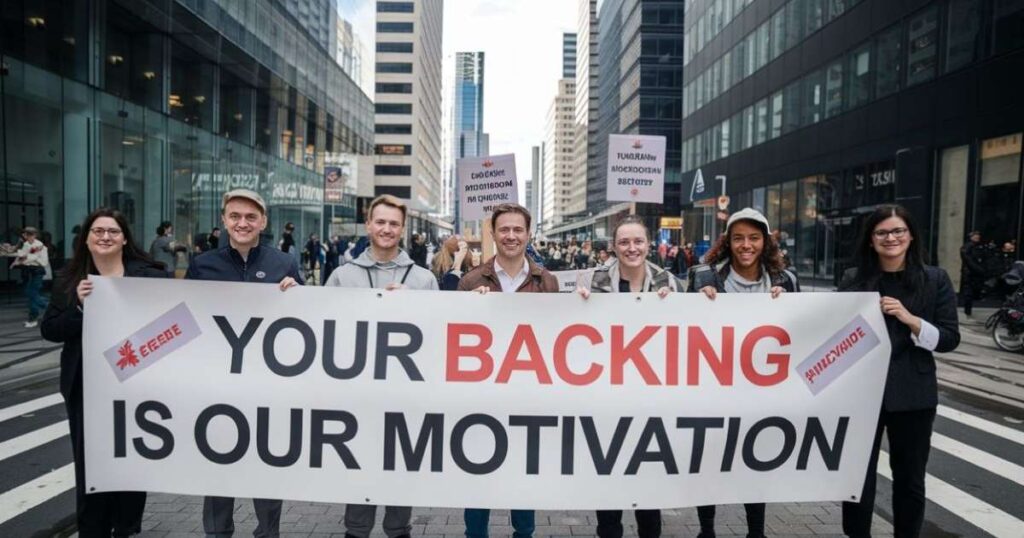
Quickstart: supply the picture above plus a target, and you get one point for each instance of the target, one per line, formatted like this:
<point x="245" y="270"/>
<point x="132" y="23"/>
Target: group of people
<point x="917" y="301"/>
<point x="982" y="264"/>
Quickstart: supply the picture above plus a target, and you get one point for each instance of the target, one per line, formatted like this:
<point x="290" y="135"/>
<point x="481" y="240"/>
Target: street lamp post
<point x="714" y="209"/>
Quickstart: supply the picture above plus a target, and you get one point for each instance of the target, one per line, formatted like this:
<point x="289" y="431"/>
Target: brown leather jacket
<point x="539" y="280"/>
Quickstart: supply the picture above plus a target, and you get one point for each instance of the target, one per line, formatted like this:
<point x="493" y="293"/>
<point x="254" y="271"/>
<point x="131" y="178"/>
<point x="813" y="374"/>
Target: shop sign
<point x="671" y="223"/>
<point x="698" y="188"/>
<point x="296" y="194"/>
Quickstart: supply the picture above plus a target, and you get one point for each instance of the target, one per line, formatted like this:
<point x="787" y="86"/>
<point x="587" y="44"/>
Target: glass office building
<point x="817" y="111"/>
<point x="157" y="107"/>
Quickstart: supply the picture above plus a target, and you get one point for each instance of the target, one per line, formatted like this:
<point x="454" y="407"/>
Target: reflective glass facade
<point x="816" y="111"/>
<point x="157" y="107"/>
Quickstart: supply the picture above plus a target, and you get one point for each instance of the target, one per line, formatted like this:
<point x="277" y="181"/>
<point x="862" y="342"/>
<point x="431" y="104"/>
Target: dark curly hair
<point x="771" y="254"/>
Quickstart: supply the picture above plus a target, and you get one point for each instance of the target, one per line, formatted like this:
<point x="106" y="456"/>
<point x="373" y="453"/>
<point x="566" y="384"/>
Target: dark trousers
<point x="909" y="434"/>
<point x="755" y="519"/>
<point x="33" y="279"/>
<point x="115" y="513"/>
<point x="971" y="288"/>
<point x="648" y="523"/>
<point x="478" y="520"/>
<point x="218" y="517"/>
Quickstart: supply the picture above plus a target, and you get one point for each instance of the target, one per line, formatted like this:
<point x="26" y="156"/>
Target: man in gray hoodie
<point x="382" y="265"/>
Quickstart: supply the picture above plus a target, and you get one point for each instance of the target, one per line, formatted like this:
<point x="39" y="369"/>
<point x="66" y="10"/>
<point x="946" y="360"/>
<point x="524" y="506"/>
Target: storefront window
<point x="788" y="220"/>
<point x="772" y="196"/>
<point x="997" y="200"/>
<point x="807" y="220"/>
<point x="922" y="46"/>
<point x="191" y="97"/>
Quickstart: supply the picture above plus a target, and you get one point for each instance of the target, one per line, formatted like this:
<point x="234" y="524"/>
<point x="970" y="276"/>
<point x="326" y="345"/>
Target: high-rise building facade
<point x="408" y="132"/>
<point x="816" y="112"/>
<point x="586" y="102"/>
<point x="319" y="19"/>
<point x="569" y="48"/>
<point x="466" y="129"/>
<point x="559" y="155"/>
<point x="350" y="54"/>
<point x="533" y="192"/>
<point x="639" y="86"/>
<point x="103" y="104"/>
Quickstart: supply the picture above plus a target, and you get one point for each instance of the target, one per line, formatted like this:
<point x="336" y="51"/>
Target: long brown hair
<point x="771" y="254"/>
<point x="81" y="264"/>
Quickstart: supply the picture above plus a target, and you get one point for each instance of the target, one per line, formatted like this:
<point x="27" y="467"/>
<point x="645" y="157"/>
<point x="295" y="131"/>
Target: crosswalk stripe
<point x="980" y="458"/>
<point x="1009" y="434"/>
<point x="965" y="506"/>
<point x="27" y="496"/>
<point x="33" y="439"/>
<point x="31" y="406"/>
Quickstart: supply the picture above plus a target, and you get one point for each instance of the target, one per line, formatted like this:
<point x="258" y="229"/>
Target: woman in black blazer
<point x="105" y="247"/>
<point x="920" y="315"/>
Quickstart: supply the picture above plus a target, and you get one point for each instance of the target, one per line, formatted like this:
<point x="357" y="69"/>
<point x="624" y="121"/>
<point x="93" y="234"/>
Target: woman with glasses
<point x="630" y="272"/>
<point x="920" y="316"/>
<point x="106" y="248"/>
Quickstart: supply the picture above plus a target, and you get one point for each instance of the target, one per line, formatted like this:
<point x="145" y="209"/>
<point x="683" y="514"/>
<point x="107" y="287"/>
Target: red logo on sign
<point x="127" y="354"/>
<point x="488" y="164"/>
<point x="638" y="145"/>
<point x="634" y="191"/>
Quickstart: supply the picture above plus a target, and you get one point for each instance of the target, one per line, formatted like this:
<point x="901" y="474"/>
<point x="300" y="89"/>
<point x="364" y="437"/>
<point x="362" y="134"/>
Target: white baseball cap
<point x="748" y="213"/>
<point x="250" y="195"/>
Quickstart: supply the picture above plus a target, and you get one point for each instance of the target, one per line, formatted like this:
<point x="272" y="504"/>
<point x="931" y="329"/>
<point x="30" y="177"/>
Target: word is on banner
<point x="636" y="168"/>
<point x="415" y="398"/>
<point x="485" y="182"/>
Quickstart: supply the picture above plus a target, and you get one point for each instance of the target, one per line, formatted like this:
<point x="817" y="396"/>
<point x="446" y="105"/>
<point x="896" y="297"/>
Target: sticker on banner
<point x="837" y="355"/>
<point x="153" y="342"/>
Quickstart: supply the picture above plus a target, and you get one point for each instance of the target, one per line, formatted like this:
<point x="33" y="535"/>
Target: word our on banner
<point x="431" y="398"/>
<point x="485" y="182"/>
<point x="636" y="168"/>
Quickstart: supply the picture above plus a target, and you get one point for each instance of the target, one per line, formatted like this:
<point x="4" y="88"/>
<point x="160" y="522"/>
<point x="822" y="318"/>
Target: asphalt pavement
<point x="975" y="483"/>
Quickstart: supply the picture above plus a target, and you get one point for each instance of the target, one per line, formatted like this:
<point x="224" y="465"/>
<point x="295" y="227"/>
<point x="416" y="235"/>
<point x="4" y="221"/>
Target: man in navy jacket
<point x="242" y="259"/>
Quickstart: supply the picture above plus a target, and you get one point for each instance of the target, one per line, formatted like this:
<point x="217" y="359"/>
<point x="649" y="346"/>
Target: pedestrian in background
<point x="33" y="259"/>
<point x="165" y="249"/>
<point x="630" y="272"/>
<point x="920" y="316"/>
<point x="244" y="216"/>
<point x="107" y="249"/>
<point x="418" y="250"/>
<point x="746" y="259"/>
<point x="972" y="271"/>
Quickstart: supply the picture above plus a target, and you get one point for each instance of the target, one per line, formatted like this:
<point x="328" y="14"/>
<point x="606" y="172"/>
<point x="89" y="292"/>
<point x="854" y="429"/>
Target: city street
<point x="975" y="483"/>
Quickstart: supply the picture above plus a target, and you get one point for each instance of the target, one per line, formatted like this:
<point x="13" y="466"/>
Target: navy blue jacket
<point x="265" y="265"/>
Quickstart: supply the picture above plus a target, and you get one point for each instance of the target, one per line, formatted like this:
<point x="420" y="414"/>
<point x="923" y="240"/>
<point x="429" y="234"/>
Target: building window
<point x="887" y="59"/>
<point x="762" y="121"/>
<point x="395" y="7"/>
<point x="834" y="89"/>
<point x="1009" y="15"/>
<point x="922" y="46"/>
<point x="394" y="27"/>
<point x="394" y="47"/>
<point x="394" y="67"/>
<point x="393" y="190"/>
<point x="859" y="77"/>
<point x="393" y="108"/>
<point x="791" y="108"/>
<point x="813" y="98"/>
<point x="815" y="14"/>
<point x="392" y="170"/>
<point x="393" y="149"/>
<point x="998" y="195"/>
<point x="394" y="87"/>
<point x="393" y="128"/>
<point x="777" y="113"/>
<point x="962" y="36"/>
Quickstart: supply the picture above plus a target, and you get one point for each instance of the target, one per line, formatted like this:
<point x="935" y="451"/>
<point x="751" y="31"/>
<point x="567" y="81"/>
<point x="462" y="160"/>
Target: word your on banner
<point x="485" y="182"/>
<point x="636" y="168"/>
<point x="431" y="398"/>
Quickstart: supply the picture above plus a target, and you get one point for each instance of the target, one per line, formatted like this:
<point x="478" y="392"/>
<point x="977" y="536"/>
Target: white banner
<point x="434" y="398"/>
<point x="636" y="168"/>
<point x="485" y="182"/>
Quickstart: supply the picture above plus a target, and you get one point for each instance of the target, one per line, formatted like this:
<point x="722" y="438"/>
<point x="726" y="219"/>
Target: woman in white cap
<point x="746" y="259"/>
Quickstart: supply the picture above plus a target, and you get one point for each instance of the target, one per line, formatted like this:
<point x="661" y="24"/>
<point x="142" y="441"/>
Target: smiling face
<point x="891" y="238"/>
<point x="511" y="235"/>
<point x="631" y="244"/>
<point x="746" y="243"/>
<point x="244" y="221"/>
<point x="385" y="227"/>
<point x="106" y="238"/>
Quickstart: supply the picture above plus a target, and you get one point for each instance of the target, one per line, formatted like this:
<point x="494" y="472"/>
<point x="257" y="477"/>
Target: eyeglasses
<point x="100" y="232"/>
<point x="897" y="233"/>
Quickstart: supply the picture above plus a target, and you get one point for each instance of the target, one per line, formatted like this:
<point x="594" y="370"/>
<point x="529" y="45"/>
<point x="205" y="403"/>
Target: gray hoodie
<point x="361" y="271"/>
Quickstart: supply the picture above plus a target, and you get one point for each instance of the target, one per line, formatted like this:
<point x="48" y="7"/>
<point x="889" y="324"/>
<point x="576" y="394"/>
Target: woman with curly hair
<point x="746" y="259"/>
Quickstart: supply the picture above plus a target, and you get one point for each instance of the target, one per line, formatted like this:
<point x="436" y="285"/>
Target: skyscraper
<point x="533" y="191"/>
<point x="559" y="144"/>
<point x="466" y="130"/>
<point x="587" y="104"/>
<point x="408" y="102"/>
<point x="319" y="18"/>
<point x="569" y="55"/>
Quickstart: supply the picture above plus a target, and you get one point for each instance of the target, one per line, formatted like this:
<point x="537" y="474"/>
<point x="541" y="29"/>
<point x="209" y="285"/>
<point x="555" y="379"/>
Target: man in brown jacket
<point x="509" y="271"/>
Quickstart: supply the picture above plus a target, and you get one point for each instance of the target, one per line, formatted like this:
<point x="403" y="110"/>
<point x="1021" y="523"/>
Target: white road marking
<point x="33" y="439"/>
<point x="32" y="406"/>
<point x="988" y="426"/>
<point x="980" y="458"/>
<point x="31" y="494"/>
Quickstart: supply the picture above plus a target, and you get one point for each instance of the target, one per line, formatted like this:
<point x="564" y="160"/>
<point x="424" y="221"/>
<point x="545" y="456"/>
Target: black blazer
<point x="62" y="323"/>
<point x="911" y="384"/>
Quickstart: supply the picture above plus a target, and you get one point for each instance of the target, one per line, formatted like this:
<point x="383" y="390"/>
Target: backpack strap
<point x="407" y="271"/>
